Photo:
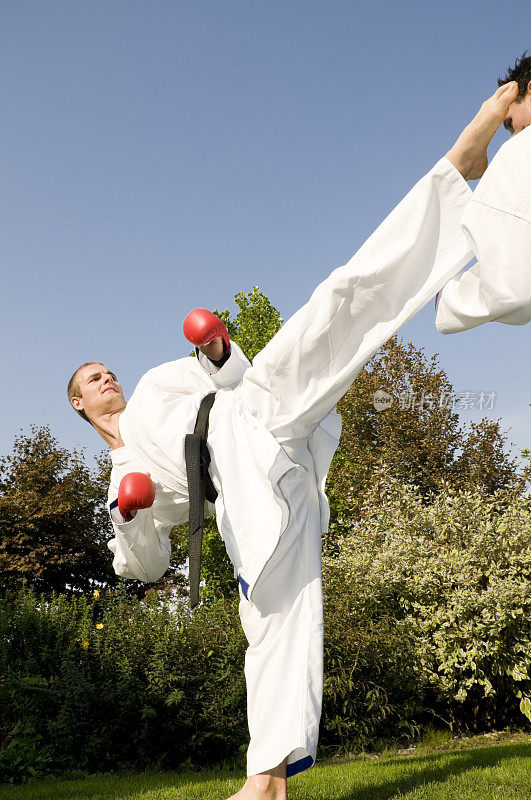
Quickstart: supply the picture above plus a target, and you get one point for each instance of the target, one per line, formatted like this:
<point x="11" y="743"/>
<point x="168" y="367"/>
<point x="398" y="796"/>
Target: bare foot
<point x="271" y="785"/>
<point x="469" y="153"/>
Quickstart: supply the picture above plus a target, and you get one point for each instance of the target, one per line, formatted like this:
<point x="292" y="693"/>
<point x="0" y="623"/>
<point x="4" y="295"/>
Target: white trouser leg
<point x="311" y="362"/>
<point x="284" y="628"/>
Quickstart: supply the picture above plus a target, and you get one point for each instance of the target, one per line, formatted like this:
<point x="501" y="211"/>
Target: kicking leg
<point x="311" y="362"/>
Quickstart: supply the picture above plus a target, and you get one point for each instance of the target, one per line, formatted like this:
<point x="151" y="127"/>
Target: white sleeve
<point x="232" y="370"/>
<point x="141" y="547"/>
<point x="497" y="223"/>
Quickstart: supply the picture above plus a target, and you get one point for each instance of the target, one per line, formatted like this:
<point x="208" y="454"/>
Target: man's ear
<point x="529" y="88"/>
<point x="77" y="403"/>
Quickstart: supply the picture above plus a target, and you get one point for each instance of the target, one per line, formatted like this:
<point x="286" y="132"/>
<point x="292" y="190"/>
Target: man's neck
<point x="108" y="428"/>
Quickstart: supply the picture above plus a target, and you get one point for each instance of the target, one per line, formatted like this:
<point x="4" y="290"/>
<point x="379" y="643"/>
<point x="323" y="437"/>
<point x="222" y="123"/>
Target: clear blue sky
<point x="158" y="156"/>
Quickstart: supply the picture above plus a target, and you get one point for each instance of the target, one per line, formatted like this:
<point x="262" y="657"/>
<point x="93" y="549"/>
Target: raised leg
<point x="311" y="362"/>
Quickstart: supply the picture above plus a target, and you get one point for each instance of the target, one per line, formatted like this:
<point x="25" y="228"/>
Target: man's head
<point x="93" y="391"/>
<point x="519" y="113"/>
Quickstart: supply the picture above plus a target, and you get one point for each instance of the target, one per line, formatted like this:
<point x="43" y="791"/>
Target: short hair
<point x="73" y="389"/>
<point x="521" y="72"/>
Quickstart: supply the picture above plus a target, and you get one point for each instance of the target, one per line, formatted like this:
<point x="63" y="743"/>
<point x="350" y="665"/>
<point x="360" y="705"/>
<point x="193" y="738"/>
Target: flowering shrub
<point x="428" y="614"/>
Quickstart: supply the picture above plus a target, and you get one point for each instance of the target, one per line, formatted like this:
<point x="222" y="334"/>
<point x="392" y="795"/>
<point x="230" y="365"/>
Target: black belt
<point x="200" y="486"/>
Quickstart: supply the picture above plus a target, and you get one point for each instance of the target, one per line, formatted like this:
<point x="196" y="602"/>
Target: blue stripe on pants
<point x="299" y="766"/>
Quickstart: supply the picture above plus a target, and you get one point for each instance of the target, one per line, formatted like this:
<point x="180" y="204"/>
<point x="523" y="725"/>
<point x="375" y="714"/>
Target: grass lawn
<point x="481" y="768"/>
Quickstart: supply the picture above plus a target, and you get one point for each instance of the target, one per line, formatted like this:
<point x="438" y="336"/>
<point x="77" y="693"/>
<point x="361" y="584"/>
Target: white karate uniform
<point x="273" y="431"/>
<point x="497" y="224"/>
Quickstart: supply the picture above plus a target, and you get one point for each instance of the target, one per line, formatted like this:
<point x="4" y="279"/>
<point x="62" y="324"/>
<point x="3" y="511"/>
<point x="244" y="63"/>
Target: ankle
<point x="270" y="787"/>
<point x="460" y="158"/>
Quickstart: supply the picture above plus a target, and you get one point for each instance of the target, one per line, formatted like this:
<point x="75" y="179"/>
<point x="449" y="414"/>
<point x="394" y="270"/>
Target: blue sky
<point x="158" y="156"/>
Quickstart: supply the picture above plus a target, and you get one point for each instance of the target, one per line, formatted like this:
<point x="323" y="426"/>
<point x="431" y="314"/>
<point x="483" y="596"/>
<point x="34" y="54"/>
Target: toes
<point x="507" y="90"/>
<point x="505" y="87"/>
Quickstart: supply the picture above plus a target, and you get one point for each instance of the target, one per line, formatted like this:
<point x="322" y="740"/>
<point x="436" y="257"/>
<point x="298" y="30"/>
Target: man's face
<point x="519" y="114"/>
<point x="100" y="392"/>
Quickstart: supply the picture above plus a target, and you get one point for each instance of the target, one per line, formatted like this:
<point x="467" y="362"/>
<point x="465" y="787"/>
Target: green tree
<point x="415" y="432"/>
<point x="53" y="521"/>
<point x="255" y="323"/>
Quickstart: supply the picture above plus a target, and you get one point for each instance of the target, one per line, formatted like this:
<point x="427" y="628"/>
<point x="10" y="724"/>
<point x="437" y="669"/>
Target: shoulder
<point x="183" y="376"/>
<point x="170" y="370"/>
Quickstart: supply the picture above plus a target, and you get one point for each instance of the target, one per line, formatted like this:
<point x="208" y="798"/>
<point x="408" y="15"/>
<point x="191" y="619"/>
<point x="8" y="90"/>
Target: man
<point x="273" y="432"/>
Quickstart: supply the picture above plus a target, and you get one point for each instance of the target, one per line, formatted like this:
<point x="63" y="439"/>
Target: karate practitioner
<point x="273" y="431"/>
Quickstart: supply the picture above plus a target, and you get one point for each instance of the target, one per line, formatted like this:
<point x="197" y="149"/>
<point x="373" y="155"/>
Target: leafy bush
<point x="427" y="618"/>
<point x="428" y="613"/>
<point x="107" y="683"/>
<point x="24" y="755"/>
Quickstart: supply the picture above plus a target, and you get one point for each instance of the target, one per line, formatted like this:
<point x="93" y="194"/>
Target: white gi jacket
<point x="161" y="411"/>
<point x="497" y="224"/>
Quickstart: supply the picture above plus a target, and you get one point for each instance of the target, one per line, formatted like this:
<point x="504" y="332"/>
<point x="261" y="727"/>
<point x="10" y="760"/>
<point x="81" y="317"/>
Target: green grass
<point x="462" y="771"/>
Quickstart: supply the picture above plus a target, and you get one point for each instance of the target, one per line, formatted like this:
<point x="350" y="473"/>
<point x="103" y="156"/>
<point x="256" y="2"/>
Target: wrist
<point x="214" y="350"/>
<point x="220" y="361"/>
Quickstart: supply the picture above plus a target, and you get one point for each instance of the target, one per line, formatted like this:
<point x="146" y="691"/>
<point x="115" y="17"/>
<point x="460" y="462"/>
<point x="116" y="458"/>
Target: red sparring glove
<point x="201" y="326"/>
<point x="136" y="491"/>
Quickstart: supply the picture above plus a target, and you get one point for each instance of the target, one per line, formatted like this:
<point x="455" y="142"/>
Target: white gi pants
<point x="294" y="382"/>
<point x="284" y="627"/>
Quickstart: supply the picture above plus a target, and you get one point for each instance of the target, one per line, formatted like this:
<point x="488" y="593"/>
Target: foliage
<point x="427" y="617"/>
<point x="24" y="755"/>
<point x="109" y="682"/>
<point x="53" y="521"/>
<point x="437" y="617"/>
<point x="255" y="323"/>
<point x="419" y="437"/>
<point x="483" y="462"/>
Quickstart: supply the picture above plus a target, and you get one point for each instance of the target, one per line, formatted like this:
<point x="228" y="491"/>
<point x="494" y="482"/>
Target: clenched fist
<point x="136" y="490"/>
